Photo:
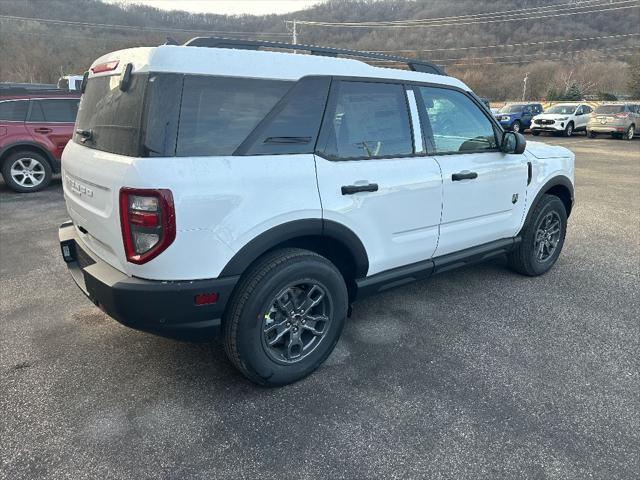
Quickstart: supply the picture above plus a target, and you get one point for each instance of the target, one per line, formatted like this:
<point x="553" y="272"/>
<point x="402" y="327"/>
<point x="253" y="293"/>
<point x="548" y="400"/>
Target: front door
<point x="374" y="178"/>
<point x="483" y="188"/>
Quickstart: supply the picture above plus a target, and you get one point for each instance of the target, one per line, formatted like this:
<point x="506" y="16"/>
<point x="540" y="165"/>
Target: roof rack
<point x="215" y="42"/>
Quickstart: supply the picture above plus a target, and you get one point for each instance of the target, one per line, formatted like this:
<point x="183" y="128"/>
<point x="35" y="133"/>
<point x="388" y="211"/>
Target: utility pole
<point x="295" y="33"/>
<point x="524" y="87"/>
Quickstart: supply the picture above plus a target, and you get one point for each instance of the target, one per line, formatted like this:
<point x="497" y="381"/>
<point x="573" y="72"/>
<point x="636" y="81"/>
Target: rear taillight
<point x="148" y="221"/>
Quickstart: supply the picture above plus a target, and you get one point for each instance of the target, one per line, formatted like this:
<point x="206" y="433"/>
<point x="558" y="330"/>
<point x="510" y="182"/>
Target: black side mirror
<point x="513" y="143"/>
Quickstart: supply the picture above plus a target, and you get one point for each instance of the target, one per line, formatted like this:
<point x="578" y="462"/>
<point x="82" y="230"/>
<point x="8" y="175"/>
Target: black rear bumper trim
<point x="165" y="308"/>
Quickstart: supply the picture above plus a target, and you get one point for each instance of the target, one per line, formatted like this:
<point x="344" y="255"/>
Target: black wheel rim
<point x="296" y="321"/>
<point x="547" y="236"/>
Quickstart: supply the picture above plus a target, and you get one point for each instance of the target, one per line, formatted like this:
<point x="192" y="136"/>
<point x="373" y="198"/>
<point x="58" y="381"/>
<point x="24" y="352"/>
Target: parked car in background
<point x="620" y="120"/>
<point x="35" y="126"/>
<point x="564" y="118"/>
<point x="70" y="82"/>
<point x="518" y="116"/>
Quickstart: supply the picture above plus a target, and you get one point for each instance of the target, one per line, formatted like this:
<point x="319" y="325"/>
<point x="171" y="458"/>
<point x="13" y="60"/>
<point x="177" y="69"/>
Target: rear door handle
<point x="456" y="177"/>
<point x="42" y="130"/>
<point x="351" y="189"/>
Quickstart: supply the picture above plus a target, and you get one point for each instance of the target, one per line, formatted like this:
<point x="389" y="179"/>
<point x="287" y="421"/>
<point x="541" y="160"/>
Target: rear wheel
<point x="26" y="171"/>
<point x="592" y="134"/>
<point x="542" y="238"/>
<point x="286" y="317"/>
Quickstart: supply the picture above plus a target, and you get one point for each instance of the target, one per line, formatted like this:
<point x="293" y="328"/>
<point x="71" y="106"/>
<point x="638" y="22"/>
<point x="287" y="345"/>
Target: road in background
<point x="478" y="373"/>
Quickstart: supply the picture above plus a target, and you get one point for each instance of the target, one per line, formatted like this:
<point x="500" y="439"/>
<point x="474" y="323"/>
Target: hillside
<point x="480" y="49"/>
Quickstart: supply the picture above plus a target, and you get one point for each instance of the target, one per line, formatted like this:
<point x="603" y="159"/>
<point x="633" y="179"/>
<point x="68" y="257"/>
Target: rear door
<point x="483" y="188"/>
<point x="12" y="116"/>
<point x="50" y="122"/>
<point x="373" y="174"/>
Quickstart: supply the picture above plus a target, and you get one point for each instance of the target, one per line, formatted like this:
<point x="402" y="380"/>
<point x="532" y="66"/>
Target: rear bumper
<point x="607" y="128"/>
<point x="165" y="308"/>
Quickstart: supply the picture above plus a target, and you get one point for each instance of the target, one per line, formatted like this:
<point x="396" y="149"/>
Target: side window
<point x="58" y="110"/>
<point x="527" y="110"/>
<point x="36" y="114"/>
<point x="369" y="120"/>
<point x="292" y="126"/>
<point x="218" y="113"/>
<point x="13" y="110"/>
<point x="580" y="110"/>
<point x="457" y="123"/>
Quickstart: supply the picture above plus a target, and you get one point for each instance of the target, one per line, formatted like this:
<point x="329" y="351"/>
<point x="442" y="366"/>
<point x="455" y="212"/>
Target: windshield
<point x="512" y="108"/>
<point x="562" y="109"/>
<point x="610" y="109"/>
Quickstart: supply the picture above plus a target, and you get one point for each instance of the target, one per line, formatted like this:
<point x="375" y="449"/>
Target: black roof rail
<point x="215" y="42"/>
<point x="22" y="91"/>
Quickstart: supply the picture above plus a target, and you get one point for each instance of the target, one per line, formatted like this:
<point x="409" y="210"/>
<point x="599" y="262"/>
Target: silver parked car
<point x="620" y="120"/>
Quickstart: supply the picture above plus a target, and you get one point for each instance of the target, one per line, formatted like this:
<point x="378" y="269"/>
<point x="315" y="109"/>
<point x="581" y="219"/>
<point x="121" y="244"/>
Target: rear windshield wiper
<point x="85" y="134"/>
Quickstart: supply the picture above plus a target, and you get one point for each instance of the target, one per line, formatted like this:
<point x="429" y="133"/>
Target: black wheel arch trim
<point x="559" y="180"/>
<point x="52" y="162"/>
<point x="312" y="227"/>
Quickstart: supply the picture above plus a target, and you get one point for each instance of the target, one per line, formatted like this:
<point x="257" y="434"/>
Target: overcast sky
<point x="227" y="7"/>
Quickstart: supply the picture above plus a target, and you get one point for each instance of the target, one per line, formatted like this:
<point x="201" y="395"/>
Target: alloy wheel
<point x="296" y="321"/>
<point x="27" y="172"/>
<point x="547" y="237"/>
<point x="630" y="133"/>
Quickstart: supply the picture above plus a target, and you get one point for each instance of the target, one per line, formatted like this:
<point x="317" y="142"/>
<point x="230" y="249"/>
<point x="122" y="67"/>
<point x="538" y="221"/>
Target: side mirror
<point x="513" y="143"/>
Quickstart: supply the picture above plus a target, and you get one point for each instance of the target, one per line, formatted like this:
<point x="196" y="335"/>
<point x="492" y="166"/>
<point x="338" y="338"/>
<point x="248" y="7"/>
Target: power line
<point x="534" y="54"/>
<point x="514" y="12"/>
<point x="529" y="61"/>
<point x="503" y="45"/>
<point x="133" y="27"/>
<point x="478" y="22"/>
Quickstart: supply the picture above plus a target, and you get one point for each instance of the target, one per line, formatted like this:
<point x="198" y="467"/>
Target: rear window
<point x="218" y="113"/>
<point x="113" y="117"/>
<point x="13" y="110"/>
<point x="610" y="109"/>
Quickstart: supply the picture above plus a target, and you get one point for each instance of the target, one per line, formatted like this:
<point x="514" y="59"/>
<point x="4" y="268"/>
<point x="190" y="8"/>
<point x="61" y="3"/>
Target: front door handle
<point x="351" y="189"/>
<point x="42" y="130"/>
<point x="456" y="177"/>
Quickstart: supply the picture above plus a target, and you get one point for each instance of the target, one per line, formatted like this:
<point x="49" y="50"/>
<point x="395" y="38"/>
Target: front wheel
<point x="569" y="130"/>
<point x="631" y="131"/>
<point x="26" y="171"/>
<point x="542" y="238"/>
<point x="516" y="127"/>
<point x="286" y="317"/>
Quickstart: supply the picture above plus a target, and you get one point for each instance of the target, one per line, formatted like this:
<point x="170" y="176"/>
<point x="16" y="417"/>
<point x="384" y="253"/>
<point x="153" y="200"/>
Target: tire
<point x="525" y="258"/>
<point x="592" y="134"/>
<point x="535" y="134"/>
<point x="38" y="171"/>
<point x="255" y="317"/>
<point x="516" y="126"/>
<point x="631" y="131"/>
<point x="568" y="131"/>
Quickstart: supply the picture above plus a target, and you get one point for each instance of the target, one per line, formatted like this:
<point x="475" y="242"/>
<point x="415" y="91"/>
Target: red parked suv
<point x="35" y="126"/>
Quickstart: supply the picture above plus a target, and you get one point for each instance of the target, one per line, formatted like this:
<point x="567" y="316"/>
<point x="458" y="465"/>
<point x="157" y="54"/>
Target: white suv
<point x="564" y="118"/>
<point x="259" y="193"/>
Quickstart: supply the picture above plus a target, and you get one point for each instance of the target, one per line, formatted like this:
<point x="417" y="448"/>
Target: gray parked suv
<point x="620" y="120"/>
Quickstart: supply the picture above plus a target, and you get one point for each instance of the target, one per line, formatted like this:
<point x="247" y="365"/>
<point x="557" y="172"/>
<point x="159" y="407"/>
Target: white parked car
<point x="259" y="193"/>
<point x="565" y="118"/>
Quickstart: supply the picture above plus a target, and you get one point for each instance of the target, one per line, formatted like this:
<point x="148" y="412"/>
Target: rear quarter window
<point x="13" y="110"/>
<point x="218" y="113"/>
<point x="54" y="110"/>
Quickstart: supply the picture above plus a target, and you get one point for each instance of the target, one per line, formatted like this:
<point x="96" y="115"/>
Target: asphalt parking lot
<point x="478" y="373"/>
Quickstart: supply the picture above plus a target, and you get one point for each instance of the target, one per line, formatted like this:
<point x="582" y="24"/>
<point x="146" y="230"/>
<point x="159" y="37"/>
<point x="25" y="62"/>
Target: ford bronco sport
<point x="217" y="187"/>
